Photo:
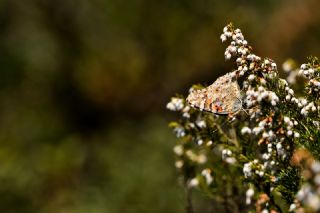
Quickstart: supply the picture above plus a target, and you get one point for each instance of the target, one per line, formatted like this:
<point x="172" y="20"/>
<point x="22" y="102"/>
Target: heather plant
<point x="263" y="157"/>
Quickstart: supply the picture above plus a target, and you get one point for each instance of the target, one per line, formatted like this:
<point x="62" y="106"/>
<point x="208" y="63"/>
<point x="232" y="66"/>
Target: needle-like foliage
<point x="265" y="157"/>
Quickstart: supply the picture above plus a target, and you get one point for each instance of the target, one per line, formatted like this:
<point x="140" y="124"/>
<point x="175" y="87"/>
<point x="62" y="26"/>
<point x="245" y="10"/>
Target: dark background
<point x="84" y="84"/>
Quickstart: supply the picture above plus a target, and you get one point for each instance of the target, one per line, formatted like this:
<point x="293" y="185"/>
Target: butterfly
<point x="223" y="97"/>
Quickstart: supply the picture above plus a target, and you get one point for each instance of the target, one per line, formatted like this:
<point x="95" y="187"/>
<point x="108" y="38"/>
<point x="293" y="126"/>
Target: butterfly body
<point x="222" y="97"/>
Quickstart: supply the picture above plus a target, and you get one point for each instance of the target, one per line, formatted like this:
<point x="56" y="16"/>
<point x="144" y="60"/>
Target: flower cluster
<point x="308" y="196"/>
<point x="256" y="147"/>
<point x="227" y="156"/>
<point x="176" y="104"/>
<point x="253" y="168"/>
<point x="311" y="71"/>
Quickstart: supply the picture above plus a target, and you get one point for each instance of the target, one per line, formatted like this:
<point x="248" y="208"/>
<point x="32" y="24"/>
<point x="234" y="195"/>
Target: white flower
<point x="226" y="153"/>
<point x="207" y="174"/>
<point x="315" y="82"/>
<point x="227" y="56"/>
<point x="286" y="119"/>
<point x="304" y="111"/>
<point x="245" y="130"/>
<point x="202" y="159"/>
<point x="223" y="37"/>
<point x="292" y="77"/>
<point x="194" y="182"/>
<point x="310" y="71"/>
<point x="300" y="72"/>
<point x="192" y="156"/>
<point x="247" y="171"/>
<point x="303" y="192"/>
<point x="249" y="194"/>
<point x="304" y="66"/>
<point x="239" y="61"/>
<point x="287" y="66"/>
<point x="191" y="125"/>
<point x="262" y="124"/>
<point x="175" y="104"/>
<point x="179" y="132"/>
<point x="279" y="146"/>
<point x="261" y="173"/>
<point x="317" y="179"/>
<point x="209" y="143"/>
<point x="252" y="65"/>
<point x="291" y="92"/>
<point x="265" y="135"/>
<point x="201" y="124"/>
<point x="269" y="148"/>
<point x="266" y="156"/>
<point x="263" y="81"/>
<point x="179" y="164"/>
<point x="232" y="49"/>
<point x="316" y="167"/>
<point x="251" y="77"/>
<point x="261" y="89"/>
<point x="186" y="115"/>
<point x="292" y="207"/>
<point x="296" y="134"/>
<point x="178" y="150"/>
<point x="274" y="97"/>
<point x="266" y="61"/>
<point x="171" y="106"/>
<point x="228" y="34"/>
<point x="294" y="100"/>
<point x="230" y="160"/>
<point x="200" y="142"/>
<point x="234" y="37"/>
<point x="239" y="42"/>
<point x="257" y="130"/>
<point x="313" y="201"/>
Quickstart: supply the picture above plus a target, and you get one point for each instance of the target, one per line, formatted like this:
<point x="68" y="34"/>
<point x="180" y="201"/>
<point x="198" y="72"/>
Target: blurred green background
<point x="84" y="84"/>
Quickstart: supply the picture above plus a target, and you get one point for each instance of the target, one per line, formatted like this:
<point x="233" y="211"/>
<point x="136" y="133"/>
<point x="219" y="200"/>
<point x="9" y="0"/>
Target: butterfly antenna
<point x="242" y="109"/>
<point x="245" y="111"/>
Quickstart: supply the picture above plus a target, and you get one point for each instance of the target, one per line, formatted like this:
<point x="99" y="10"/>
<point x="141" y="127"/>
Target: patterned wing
<point x="222" y="97"/>
<point x="199" y="99"/>
<point x="231" y="98"/>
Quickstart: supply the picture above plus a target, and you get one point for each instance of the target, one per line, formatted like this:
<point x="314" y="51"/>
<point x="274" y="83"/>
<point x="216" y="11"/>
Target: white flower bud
<point x="223" y="37"/>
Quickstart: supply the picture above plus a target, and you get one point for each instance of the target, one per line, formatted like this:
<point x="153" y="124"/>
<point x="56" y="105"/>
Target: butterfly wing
<point x="231" y="98"/>
<point x="199" y="99"/>
<point x="222" y="97"/>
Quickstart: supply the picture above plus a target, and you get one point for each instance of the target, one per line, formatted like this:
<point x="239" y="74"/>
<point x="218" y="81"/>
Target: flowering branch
<point x="247" y="157"/>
